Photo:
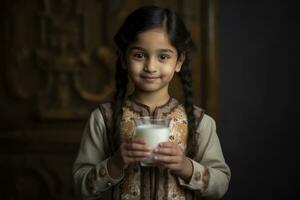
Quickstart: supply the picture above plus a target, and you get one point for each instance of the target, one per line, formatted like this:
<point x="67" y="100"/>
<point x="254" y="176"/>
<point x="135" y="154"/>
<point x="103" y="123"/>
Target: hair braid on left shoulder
<point x="186" y="79"/>
<point x="121" y="79"/>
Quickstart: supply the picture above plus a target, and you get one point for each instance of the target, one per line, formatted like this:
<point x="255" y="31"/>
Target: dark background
<point x="258" y="127"/>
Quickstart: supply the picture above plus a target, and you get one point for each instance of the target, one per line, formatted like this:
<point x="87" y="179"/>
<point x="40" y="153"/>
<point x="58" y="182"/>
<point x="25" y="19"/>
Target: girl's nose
<point x="150" y="65"/>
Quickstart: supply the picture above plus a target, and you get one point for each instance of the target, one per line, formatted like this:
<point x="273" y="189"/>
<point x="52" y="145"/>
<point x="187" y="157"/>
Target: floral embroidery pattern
<point x="131" y="187"/>
<point x="205" y="178"/>
<point x="130" y="190"/>
<point x="178" y="126"/>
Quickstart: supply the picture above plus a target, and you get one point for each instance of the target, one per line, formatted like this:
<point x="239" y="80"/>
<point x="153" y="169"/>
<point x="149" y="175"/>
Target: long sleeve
<point x="90" y="172"/>
<point x="211" y="174"/>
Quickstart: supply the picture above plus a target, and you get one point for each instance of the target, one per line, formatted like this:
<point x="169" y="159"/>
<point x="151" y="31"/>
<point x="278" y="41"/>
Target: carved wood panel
<point x="57" y="63"/>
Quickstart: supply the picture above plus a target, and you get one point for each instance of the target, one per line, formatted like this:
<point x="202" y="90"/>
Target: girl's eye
<point x="139" y="55"/>
<point x="164" y="57"/>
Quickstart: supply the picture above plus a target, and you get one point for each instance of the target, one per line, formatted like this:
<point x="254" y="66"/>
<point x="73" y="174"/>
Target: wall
<point x="258" y="62"/>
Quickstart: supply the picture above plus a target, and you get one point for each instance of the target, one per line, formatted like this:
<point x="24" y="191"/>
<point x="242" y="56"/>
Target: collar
<point x="144" y="110"/>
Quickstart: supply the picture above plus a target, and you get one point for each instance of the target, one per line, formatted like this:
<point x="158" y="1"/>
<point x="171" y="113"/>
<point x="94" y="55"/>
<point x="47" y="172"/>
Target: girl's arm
<point x="90" y="170"/>
<point x="211" y="175"/>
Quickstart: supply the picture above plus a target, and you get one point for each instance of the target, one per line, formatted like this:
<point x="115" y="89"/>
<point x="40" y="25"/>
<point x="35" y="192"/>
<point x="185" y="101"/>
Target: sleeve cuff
<point x="99" y="179"/>
<point x="199" y="179"/>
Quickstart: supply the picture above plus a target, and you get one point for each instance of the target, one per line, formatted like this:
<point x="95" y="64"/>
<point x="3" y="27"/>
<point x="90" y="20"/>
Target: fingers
<point x="134" y="150"/>
<point x="167" y="144"/>
<point x="134" y="156"/>
<point x="168" y="159"/>
<point x="169" y="148"/>
<point x="135" y="146"/>
<point x="169" y="153"/>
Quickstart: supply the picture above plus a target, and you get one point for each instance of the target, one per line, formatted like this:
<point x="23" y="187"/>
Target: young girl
<point x="153" y="44"/>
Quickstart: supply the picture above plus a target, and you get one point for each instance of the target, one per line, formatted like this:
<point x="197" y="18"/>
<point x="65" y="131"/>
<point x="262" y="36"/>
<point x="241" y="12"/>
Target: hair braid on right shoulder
<point x="121" y="79"/>
<point x="186" y="79"/>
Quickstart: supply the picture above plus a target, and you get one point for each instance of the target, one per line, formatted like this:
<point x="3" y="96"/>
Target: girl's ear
<point x="180" y="62"/>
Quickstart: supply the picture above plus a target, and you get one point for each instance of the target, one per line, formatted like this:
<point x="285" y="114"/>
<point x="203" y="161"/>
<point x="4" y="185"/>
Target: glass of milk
<point x="153" y="131"/>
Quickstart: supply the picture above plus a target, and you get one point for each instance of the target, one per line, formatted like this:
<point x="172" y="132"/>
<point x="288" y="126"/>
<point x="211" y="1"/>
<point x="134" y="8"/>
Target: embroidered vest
<point x="148" y="183"/>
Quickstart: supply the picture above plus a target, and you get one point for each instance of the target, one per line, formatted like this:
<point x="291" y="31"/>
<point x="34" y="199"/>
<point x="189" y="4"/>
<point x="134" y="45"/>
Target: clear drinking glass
<point x="153" y="131"/>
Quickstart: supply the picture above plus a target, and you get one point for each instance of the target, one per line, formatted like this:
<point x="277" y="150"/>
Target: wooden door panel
<point x="57" y="64"/>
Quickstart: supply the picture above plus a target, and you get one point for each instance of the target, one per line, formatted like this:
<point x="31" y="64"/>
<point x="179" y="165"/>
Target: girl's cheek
<point x="167" y="71"/>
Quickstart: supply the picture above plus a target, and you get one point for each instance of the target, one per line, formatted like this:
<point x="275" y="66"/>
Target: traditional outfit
<point x="210" y="176"/>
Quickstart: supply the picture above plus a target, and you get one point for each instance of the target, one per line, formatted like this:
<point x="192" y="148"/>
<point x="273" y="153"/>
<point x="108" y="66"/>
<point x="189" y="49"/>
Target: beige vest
<point x="147" y="183"/>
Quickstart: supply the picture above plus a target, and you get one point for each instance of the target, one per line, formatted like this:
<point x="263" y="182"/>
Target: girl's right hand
<point x="131" y="151"/>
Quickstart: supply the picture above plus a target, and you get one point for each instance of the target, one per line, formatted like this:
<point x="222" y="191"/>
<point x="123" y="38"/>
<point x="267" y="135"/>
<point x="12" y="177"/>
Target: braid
<point x="121" y="87"/>
<point x="186" y="79"/>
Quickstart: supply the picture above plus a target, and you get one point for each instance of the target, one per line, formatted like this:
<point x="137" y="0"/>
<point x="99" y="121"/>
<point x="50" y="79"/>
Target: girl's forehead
<point x="153" y="39"/>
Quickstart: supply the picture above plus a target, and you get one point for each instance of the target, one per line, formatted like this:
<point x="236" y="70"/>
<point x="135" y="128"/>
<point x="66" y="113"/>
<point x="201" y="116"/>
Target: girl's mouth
<point x="150" y="78"/>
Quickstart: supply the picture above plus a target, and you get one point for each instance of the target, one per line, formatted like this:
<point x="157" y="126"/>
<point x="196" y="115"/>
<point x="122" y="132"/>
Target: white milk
<point x="152" y="134"/>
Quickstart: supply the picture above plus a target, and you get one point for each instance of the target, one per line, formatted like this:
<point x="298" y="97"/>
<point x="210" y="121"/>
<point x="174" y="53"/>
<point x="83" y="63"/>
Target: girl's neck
<point x="152" y="100"/>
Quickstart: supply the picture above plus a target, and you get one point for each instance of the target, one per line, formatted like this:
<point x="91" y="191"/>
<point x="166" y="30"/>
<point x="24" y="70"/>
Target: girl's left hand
<point x="171" y="156"/>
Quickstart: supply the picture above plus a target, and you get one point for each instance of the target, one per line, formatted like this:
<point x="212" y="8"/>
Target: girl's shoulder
<point x="106" y="110"/>
<point x="105" y="107"/>
<point x="203" y="119"/>
<point x="102" y="112"/>
<point x="203" y="116"/>
<point x="199" y="112"/>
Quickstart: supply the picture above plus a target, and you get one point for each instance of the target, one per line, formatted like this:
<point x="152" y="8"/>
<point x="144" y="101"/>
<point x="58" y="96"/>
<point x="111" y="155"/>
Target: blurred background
<point x="57" y="63"/>
<point x="259" y="61"/>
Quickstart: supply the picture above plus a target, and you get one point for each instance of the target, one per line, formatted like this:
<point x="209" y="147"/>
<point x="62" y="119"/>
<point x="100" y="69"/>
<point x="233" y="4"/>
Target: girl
<point x="153" y="44"/>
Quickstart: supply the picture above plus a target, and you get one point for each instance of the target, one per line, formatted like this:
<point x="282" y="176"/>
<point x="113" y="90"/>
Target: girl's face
<point x="151" y="61"/>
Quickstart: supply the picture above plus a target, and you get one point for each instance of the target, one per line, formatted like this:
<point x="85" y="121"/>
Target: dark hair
<point x="143" y="19"/>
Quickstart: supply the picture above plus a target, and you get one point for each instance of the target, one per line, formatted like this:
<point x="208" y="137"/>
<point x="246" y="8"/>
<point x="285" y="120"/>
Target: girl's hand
<point x="171" y="156"/>
<point x="130" y="151"/>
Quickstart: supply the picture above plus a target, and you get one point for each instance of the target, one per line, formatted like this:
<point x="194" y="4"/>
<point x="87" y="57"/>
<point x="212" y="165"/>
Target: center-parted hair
<point x="141" y="20"/>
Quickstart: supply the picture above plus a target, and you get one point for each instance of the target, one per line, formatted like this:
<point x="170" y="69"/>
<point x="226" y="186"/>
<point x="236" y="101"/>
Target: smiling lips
<point x="150" y="78"/>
